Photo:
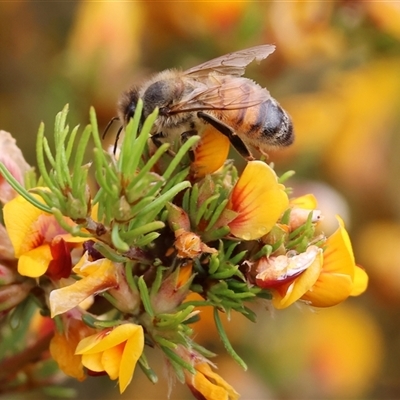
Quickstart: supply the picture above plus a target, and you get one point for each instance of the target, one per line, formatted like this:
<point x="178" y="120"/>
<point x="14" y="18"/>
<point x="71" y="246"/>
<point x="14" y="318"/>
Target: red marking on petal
<point x="61" y="265"/>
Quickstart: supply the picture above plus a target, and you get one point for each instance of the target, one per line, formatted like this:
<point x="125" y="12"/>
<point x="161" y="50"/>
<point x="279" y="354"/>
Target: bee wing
<point x="222" y="93"/>
<point x="233" y="63"/>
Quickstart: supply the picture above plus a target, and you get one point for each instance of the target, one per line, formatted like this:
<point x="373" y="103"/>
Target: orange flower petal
<point x="103" y="341"/>
<point x="115" y="351"/>
<point x="111" y="360"/>
<point x="259" y="200"/>
<point x="209" y="385"/>
<point x="360" y="282"/>
<point x="62" y="351"/>
<point x="335" y="282"/>
<point x="35" y="262"/>
<point x="93" y="362"/>
<point x="307" y="201"/>
<point x="185" y="273"/>
<point x="339" y="252"/>
<point x="132" y="352"/>
<point x="210" y="153"/>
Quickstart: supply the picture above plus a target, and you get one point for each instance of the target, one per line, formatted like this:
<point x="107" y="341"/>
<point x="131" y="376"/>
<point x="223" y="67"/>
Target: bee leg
<point x="156" y="139"/>
<point x="226" y="130"/>
<point x="185" y="136"/>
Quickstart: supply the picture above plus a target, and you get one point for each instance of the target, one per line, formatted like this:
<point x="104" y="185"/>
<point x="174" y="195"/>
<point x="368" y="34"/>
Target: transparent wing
<point x="219" y="92"/>
<point x="233" y="63"/>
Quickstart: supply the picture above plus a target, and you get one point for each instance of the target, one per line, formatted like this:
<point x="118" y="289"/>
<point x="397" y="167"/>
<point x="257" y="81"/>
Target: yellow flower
<point x="329" y="279"/>
<point x="98" y="276"/>
<point x="340" y="276"/>
<point x="301" y="207"/>
<point x="114" y="351"/>
<point x="38" y="240"/>
<point x="258" y="199"/>
<point x="206" y="384"/>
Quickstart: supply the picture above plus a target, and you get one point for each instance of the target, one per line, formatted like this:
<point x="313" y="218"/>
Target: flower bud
<point x="11" y="156"/>
<point x="127" y="300"/>
<point x="173" y="290"/>
<point x="7" y="275"/>
<point x="12" y="295"/>
<point x="76" y="208"/>
<point x="6" y="248"/>
<point x="177" y="218"/>
<point x="124" y="210"/>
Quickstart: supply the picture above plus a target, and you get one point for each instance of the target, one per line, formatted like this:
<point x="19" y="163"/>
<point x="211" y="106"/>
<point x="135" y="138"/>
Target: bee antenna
<point x="117" y="138"/>
<point x="108" y="126"/>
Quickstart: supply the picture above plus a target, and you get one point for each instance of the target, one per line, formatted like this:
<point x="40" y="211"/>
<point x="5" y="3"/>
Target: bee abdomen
<point x="273" y="123"/>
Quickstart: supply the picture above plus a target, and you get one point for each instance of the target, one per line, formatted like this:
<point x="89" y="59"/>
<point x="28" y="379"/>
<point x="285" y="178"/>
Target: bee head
<point x="127" y="105"/>
<point x="159" y="94"/>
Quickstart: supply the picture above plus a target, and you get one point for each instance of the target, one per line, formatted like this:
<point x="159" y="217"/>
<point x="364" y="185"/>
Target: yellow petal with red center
<point x="259" y="200"/>
<point x="335" y="282"/>
<point x="210" y="153"/>
<point x="104" y="277"/>
<point x="61" y="349"/>
<point x="110" y="338"/>
<point x="132" y="352"/>
<point x="111" y="360"/>
<point x="360" y="282"/>
<point x="19" y="217"/>
<point x="308" y="201"/>
<point x="93" y="362"/>
<point x="35" y="262"/>
<point x="287" y="295"/>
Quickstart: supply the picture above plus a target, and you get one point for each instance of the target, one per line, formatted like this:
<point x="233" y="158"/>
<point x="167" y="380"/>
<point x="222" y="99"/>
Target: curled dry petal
<point x="189" y="245"/>
<point x="103" y="276"/>
<point x="276" y="271"/>
<point x="286" y="295"/>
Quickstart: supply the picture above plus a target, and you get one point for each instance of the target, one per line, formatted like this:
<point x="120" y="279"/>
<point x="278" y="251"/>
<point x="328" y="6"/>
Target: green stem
<point x="225" y="340"/>
<point x="21" y="191"/>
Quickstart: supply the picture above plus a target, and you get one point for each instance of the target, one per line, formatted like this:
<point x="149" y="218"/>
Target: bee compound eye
<point x="130" y="112"/>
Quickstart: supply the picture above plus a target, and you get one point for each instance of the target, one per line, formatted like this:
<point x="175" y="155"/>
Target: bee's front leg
<point x="185" y="136"/>
<point x="157" y="142"/>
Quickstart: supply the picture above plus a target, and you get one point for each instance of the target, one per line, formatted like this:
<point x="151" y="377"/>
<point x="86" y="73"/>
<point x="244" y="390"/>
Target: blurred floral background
<point x="336" y="70"/>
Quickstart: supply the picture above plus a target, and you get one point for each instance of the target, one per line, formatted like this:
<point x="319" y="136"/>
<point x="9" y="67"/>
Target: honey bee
<point x="213" y="93"/>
